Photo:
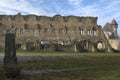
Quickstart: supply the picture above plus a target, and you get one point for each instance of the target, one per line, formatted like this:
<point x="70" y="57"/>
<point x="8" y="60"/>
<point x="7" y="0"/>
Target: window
<point x="25" y="26"/>
<point x="88" y="32"/>
<point x="94" y="32"/>
<point x="109" y="33"/>
<point x="39" y="26"/>
<point x="81" y="31"/>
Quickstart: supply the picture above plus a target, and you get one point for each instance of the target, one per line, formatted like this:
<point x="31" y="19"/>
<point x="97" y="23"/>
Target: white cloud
<point x="75" y="2"/>
<point x="24" y="6"/>
<point x="105" y="10"/>
<point x="111" y="10"/>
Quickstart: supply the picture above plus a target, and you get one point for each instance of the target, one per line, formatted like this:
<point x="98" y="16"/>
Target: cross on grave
<point x="10" y="59"/>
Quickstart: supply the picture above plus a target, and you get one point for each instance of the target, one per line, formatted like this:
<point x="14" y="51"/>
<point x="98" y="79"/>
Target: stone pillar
<point x="93" y="48"/>
<point x="10" y="59"/>
<point x="87" y="45"/>
<point x="75" y="47"/>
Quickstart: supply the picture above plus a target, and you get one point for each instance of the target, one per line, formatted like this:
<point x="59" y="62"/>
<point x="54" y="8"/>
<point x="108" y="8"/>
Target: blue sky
<point x="105" y="10"/>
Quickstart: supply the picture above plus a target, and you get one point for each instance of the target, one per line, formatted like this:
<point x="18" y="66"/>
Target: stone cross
<point x="10" y="59"/>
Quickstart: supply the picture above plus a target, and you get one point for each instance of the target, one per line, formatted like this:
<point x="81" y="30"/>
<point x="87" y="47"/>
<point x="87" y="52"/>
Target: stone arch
<point x="85" y="46"/>
<point x="58" y="18"/>
<point x="20" y="43"/>
<point x="100" y="45"/>
<point x="30" y="46"/>
<point x="31" y="43"/>
<point x="81" y="46"/>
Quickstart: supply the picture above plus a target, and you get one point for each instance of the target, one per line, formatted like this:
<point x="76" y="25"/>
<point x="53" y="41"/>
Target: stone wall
<point x="115" y="43"/>
<point x="43" y="27"/>
<point x="58" y="29"/>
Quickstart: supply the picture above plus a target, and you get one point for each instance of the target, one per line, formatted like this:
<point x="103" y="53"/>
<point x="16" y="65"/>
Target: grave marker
<point x="10" y="59"/>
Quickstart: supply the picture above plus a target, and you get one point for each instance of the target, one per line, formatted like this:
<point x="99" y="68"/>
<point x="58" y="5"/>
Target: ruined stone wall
<point x="58" y="29"/>
<point x="65" y="28"/>
<point x="115" y="43"/>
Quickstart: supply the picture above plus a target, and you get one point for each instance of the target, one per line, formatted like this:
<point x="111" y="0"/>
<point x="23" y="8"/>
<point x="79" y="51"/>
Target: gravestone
<point x="10" y="59"/>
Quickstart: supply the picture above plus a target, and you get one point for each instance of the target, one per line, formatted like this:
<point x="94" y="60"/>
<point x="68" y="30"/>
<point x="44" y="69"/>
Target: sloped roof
<point x="107" y="27"/>
<point x="114" y="22"/>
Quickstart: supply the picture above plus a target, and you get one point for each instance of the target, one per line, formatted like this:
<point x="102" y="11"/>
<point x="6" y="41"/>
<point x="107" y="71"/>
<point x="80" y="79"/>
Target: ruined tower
<point x="114" y="27"/>
<point x="110" y="30"/>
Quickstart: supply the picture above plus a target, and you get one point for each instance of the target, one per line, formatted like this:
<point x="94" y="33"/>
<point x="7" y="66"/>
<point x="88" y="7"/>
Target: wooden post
<point x="10" y="59"/>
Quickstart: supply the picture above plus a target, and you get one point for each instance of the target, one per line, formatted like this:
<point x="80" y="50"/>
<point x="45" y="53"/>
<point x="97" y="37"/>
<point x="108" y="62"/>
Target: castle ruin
<point x="57" y="33"/>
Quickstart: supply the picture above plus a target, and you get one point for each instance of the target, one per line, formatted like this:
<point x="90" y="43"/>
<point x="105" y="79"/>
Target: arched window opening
<point x="88" y="32"/>
<point x="39" y="26"/>
<point x="81" y="31"/>
<point x="94" y="32"/>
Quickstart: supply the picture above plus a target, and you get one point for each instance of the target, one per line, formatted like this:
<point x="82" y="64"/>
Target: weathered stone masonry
<point x="81" y="32"/>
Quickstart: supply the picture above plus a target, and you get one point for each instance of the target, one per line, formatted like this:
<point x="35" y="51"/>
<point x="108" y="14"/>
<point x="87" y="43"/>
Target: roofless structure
<point x="57" y="33"/>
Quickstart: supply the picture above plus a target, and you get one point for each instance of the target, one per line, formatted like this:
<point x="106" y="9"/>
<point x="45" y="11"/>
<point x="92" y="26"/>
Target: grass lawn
<point x="87" y="66"/>
<point x="101" y="66"/>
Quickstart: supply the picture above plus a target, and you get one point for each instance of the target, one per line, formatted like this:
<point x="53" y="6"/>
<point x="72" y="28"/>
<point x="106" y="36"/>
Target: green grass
<point x="97" y="66"/>
<point x="51" y="52"/>
<point x="94" y="66"/>
<point x="40" y="52"/>
<point x="81" y="60"/>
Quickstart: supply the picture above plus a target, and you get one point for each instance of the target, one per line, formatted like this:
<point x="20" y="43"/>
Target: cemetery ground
<point x="66" y="66"/>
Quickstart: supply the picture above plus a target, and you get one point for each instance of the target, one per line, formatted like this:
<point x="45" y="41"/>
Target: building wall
<point x="46" y="28"/>
<point x="115" y="43"/>
<point x="56" y="29"/>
